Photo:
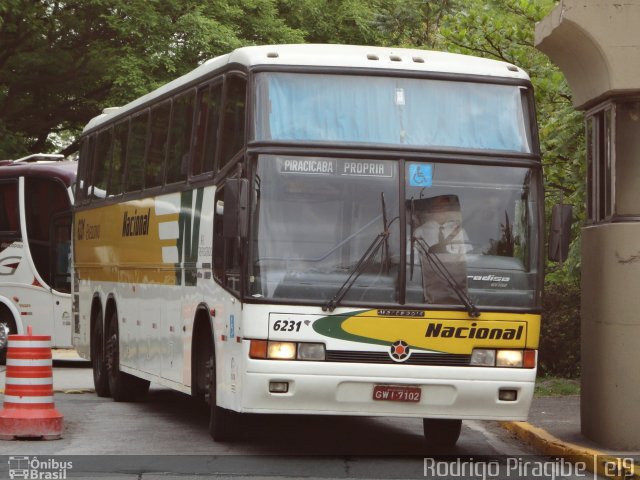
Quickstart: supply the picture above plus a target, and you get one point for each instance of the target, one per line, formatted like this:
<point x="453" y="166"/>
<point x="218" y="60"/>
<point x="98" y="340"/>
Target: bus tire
<point x="98" y="363"/>
<point x="221" y="424"/>
<point x="123" y="387"/>
<point x="6" y="318"/>
<point x="221" y="420"/>
<point x="441" y="432"/>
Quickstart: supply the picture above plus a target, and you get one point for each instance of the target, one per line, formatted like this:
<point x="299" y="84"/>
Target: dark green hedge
<point x="559" y="353"/>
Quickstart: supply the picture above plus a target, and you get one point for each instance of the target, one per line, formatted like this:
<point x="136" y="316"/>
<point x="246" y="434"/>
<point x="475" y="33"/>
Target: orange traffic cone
<point x="28" y="410"/>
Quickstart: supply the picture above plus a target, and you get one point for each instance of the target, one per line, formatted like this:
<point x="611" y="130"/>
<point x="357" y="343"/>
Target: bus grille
<point x="439" y="359"/>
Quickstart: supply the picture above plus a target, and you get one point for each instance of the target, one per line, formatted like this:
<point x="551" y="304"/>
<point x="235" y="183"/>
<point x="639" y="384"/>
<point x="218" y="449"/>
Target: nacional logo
<point x="400" y="351"/>
<point x="136" y="224"/>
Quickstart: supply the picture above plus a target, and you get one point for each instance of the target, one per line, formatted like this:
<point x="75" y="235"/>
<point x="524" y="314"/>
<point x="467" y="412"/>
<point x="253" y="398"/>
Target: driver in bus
<point x="438" y="222"/>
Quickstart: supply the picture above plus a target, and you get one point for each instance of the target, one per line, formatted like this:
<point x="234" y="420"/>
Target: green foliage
<point x="332" y="21"/>
<point x="367" y="22"/>
<point x="559" y="353"/>
<point x="62" y="62"/>
<point x="556" y="386"/>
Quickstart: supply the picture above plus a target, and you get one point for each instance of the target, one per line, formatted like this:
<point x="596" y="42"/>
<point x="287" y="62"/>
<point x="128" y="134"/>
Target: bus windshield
<point x="391" y="111"/>
<point x="314" y="219"/>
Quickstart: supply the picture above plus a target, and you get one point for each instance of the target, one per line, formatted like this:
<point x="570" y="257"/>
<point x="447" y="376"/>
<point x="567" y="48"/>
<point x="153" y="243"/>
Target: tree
<point x="61" y="62"/>
<point x="367" y="22"/>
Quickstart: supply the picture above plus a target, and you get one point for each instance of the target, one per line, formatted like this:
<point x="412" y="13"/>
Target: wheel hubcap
<point x="4" y="335"/>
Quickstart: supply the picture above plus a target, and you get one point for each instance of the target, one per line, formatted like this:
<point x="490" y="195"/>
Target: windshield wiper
<point x="381" y="241"/>
<point x="439" y="267"/>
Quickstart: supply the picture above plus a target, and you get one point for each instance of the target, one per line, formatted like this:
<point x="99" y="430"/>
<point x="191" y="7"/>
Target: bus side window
<point x="134" y="177"/>
<point x="206" y="136"/>
<point x="120" y="137"/>
<point x="45" y="201"/>
<point x="232" y="134"/>
<point x="180" y="139"/>
<point x="85" y="168"/>
<point x="226" y="254"/>
<point x="9" y="218"/>
<point x="159" y="133"/>
<point x="101" y="164"/>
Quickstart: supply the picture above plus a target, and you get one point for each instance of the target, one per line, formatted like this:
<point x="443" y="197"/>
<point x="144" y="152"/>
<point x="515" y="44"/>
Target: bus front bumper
<point x="348" y="389"/>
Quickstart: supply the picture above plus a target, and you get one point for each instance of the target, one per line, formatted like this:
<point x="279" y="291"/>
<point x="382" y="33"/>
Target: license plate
<point x="396" y="393"/>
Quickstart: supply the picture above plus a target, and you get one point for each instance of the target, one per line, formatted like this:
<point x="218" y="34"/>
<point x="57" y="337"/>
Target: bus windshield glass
<point x="391" y="111"/>
<point x="316" y="219"/>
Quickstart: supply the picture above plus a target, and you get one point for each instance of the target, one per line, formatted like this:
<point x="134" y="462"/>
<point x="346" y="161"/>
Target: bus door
<point x="47" y="303"/>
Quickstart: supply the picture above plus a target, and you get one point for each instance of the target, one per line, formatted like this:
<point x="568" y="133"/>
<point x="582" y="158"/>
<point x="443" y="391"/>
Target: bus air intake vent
<point x="436" y="359"/>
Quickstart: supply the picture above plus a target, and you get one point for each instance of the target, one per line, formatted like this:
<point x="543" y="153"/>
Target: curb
<point x="609" y="466"/>
<point x="76" y="390"/>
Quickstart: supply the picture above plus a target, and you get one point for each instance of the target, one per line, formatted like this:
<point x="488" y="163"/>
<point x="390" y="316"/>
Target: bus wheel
<point x="8" y="326"/>
<point x="221" y="420"/>
<point x="440" y="432"/>
<point x="100" y="379"/>
<point x="123" y="387"/>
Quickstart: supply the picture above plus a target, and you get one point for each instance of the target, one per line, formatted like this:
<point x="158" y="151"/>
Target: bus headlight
<point x="483" y="357"/>
<point x="509" y="358"/>
<point x="274" y="350"/>
<point x="311" y="351"/>
<point x="488" y="357"/>
<point x="281" y="350"/>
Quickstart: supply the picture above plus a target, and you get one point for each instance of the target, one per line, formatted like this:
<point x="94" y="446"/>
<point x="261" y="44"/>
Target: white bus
<point x="254" y="234"/>
<point x="35" y="247"/>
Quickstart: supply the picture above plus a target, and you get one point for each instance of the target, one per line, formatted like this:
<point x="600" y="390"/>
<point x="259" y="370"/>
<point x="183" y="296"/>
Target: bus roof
<point x="337" y="56"/>
<point x="63" y="170"/>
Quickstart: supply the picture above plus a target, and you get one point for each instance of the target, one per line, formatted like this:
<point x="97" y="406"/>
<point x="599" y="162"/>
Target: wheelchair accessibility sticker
<point x="420" y="174"/>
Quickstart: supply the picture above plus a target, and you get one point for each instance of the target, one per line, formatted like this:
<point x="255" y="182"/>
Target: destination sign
<point x="327" y="166"/>
<point x="310" y="165"/>
<point x="367" y="168"/>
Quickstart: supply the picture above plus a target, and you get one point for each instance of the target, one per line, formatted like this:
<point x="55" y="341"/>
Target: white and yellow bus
<point x="254" y="233"/>
<point x="35" y="247"/>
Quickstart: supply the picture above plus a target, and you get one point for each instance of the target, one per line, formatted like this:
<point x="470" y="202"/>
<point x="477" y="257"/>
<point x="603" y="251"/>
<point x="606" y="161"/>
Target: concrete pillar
<point x="596" y="43"/>
<point x="610" y="335"/>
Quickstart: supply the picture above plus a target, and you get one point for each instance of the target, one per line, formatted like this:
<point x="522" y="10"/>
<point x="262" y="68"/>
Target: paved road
<point x="165" y="436"/>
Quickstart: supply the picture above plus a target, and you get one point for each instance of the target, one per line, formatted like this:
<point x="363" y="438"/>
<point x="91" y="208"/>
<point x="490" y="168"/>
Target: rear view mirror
<point x="560" y="235"/>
